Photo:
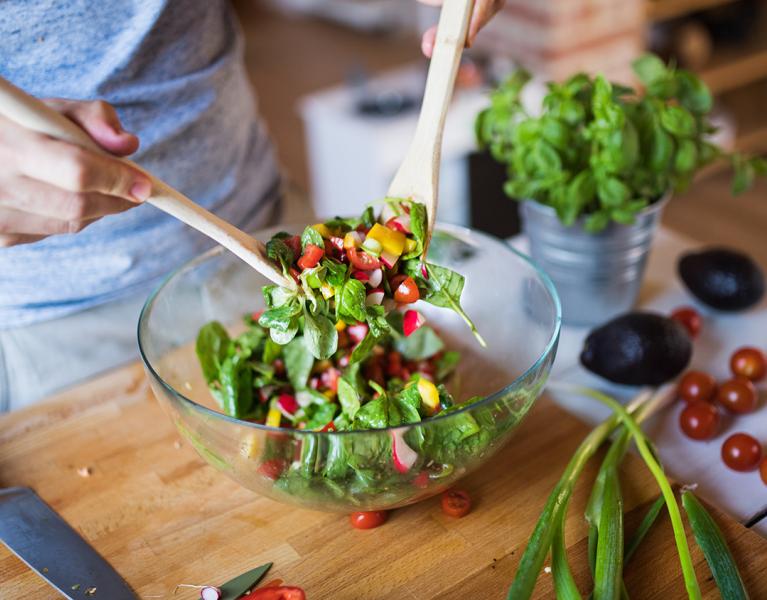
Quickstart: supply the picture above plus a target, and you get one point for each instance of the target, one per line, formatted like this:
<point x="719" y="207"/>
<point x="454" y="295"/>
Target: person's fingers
<point x="484" y="10"/>
<point x="13" y="222"/>
<point x="43" y="199"/>
<point x="99" y="119"/>
<point x="6" y="241"/>
<point x="427" y="41"/>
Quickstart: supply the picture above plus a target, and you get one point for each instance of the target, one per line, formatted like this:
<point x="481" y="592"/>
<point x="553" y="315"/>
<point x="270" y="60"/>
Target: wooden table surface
<point x="162" y="517"/>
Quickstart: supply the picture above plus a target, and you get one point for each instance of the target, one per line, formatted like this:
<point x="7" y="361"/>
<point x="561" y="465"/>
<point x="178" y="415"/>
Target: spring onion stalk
<point x="564" y="584"/>
<point x="608" y="568"/>
<point x="688" y="571"/>
<point x="540" y="541"/>
<point x="644" y="528"/>
<point x="711" y="541"/>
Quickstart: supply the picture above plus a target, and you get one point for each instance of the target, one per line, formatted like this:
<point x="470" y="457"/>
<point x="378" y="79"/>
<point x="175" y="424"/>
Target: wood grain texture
<point x="163" y="517"/>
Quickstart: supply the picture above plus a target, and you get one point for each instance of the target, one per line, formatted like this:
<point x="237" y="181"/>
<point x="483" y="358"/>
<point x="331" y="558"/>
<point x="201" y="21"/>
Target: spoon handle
<point x="31" y="113"/>
<point x="418" y="175"/>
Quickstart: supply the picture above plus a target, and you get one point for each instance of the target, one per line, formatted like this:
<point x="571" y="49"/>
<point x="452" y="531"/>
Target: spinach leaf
<point x="298" y="362"/>
<point x="446" y="364"/>
<point x="281" y="317"/>
<point x="311" y="236"/>
<point x="364" y="348"/>
<point x="279" y="251"/>
<point x="421" y="344"/>
<point x="236" y="391"/>
<point x="336" y="273"/>
<point x="212" y="347"/>
<point x="368" y="217"/>
<point x="348" y="398"/>
<point x="320" y="415"/>
<point x="373" y="415"/>
<point x="418" y="225"/>
<point x="409" y="403"/>
<point x="272" y="351"/>
<point x="351" y="303"/>
<point x="320" y="334"/>
<point x="246" y="343"/>
<point x="376" y="320"/>
<point x="283" y="337"/>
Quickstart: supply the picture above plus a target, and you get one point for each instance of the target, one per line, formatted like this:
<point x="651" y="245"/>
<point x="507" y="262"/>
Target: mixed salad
<point x="344" y="349"/>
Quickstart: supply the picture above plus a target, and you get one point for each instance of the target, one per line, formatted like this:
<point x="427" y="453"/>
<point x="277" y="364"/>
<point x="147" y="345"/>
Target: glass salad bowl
<point x="513" y="304"/>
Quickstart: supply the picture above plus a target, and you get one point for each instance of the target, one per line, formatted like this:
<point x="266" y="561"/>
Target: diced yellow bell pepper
<point x="273" y="417"/>
<point x="350" y="241"/>
<point x="410" y="245"/>
<point x="429" y="393"/>
<point x="327" y="291"/>
<point x="323" y="230"/>
<point x="340" y="325"/>
<point x="249" y="446"/>
<point x="393" y="242"/>
<point x="329" y="394"/>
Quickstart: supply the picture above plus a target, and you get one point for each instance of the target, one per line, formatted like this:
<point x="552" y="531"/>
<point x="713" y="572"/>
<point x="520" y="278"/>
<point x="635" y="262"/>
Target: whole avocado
<point x="722" y="278"/>
<point x="638" y="348"/>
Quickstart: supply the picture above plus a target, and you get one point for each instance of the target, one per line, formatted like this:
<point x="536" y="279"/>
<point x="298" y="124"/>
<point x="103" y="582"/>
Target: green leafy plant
<point x="605" y="151"/>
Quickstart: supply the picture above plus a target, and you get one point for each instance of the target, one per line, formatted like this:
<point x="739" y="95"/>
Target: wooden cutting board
<point x="163" y="517"/>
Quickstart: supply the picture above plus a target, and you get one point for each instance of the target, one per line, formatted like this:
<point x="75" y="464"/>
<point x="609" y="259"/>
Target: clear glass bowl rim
<point x="459" y="231"/>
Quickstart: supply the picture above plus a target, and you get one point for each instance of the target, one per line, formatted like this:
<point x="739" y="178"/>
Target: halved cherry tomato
<point x="697" y="386"/>
<point x="407" y="291"/>
<point x="272" y="468"/>
<point x="699" y="420"/>
<point x="763" y="470"/>
<point x="456" y="503"/>
<point x="276" y="593"/>
<point x="741" y="452"/>
<point x="368" y="519"/>
<point x="311" y="257"/>
<point x="738" y="395"/>
<point x="750" y="363"/>
<point x="689" y="318"/>
<point x="362" y="260"/>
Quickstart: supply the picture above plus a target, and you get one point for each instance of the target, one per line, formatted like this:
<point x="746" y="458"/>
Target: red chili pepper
<point x="276" y="593"/>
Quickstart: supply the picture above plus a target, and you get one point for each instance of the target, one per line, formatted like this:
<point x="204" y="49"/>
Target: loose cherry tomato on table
<point x="689" y="318"/>
<point x="368" y="519"/>
<point x="407" y="291"/>
<point x="276" y="593"/>
<point x="750" y="363"/>
<point x="738" y="395"/>
<point x="456" y="503"/>
<point x="697" y="386"/>
<point x="763" y="470"/>
<point x="311" y="257"/>
<point x="741" y="452"/>
<point x="362" y="260"/>
<point x="699" y="420"/>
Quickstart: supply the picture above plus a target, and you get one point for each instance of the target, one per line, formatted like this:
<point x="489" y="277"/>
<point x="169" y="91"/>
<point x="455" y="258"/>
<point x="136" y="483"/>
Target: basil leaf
<point x="298" y="362"/>
<point x="351" y="303"/>
<point x="650" y="69"/>
<point x="348" y="398"/>
<point x="320" y="335"/>
<point x="312" y="236"/>
<point x="419" y="345"/>
<point x="212" y="347"/>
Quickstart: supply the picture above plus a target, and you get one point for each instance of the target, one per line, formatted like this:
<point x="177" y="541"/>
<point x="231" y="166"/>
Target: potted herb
<point x="595" y="169"/>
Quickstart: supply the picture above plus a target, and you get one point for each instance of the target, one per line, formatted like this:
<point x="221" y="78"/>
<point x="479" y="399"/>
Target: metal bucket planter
<point x="598" y="275"/>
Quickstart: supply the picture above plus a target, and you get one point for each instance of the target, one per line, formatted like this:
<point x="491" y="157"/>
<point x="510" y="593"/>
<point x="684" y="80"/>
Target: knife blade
<point x="35" y="533"/>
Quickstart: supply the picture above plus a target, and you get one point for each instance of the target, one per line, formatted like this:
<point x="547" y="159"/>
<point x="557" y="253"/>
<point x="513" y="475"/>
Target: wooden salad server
<point x="418" y="175"/>
<point x="34" y="114"/>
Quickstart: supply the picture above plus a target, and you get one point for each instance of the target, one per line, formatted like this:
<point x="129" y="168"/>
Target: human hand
<point x="48" y="186"/>
<point x="484" y="10"/>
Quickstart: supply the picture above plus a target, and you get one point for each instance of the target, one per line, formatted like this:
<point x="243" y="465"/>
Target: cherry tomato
<point x="763" y="470"/>
<point x="697" y="386"/>
<point x="311" y="257"/>
<point x="276" y="593"/>
<point x="749" y="363"/>
<point x="689" y="318"/>
<point x="699" y="420"/>
<point x="456" y="503"/>
<point x="368" y="519"/>
<point x="407" y="291"/>
<point x="272" y="468"/>
<point x="741" y="452"/>
<point x="362" y="260"/>
<point x="738" y="395"/>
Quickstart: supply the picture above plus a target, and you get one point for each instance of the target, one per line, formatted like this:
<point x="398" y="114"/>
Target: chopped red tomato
<point x="407" y="291"/>
<point x="422" y="480"/>
<point x="294" y="243"/>
<point x="276" y="593"/>
<point x="329" y="427"/>
<point x="311" y="257"/>
<point x="362" y="260"/>
<point x="272" y="468"/>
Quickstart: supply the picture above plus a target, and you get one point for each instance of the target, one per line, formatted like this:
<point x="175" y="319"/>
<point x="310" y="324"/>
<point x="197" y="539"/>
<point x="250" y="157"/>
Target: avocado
<point x="722" y="278"/>
<point x="637" y="348"/>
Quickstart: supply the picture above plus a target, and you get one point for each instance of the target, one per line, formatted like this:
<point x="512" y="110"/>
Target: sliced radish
<point x="337" y="242"/>
<point x="424" y="271"/>
<point x="389" y="259"/>
<point x="412" y="321"/>
<point x="372" y="246"/>
<point x="375" y="278"/>
<point x="388" y="213"/>
<point x="401" y="224"/>
<point x="404" y="456"/>
<point x="210" y="593"/>
<point x="363" y="276"/>
<point x="288" y="403"/>
<point x="357" y="332"/>
<point x="374" y="297"/>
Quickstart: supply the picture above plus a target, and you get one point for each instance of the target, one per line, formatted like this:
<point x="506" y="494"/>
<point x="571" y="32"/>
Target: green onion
<point x="608" y="570"/>
<point x="644" y="527"/>
<point x="711" y="541"/>
<point x="564" y="584"/>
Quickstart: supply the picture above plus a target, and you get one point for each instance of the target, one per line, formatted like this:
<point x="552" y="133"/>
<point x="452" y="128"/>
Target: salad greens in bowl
<point x="368" y="386"/>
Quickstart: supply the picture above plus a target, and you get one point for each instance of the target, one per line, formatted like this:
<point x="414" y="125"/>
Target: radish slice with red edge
<point x="403" y="455"/>
<point x="288" y="403"/>
<point x="401" y="223"/>
<point x="388" y="259"/>
<point x="412" y="321"/>
<point x="362" y="276"/>
<point x="357" y="332"/>
<point x="375" y="278"/>
<point x="210" y="593"/>
<point x="374" y="297"/>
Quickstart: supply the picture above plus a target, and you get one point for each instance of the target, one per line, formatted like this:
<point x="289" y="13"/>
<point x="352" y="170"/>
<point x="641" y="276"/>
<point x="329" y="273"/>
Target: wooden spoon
<point x="31" y="113"/>
<point x="418" y="175"/>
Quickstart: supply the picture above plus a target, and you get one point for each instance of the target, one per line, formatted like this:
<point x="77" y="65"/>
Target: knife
<point x="50" y="547"/>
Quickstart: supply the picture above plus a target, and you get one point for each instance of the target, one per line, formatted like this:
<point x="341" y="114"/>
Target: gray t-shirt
<point x="174" y="71"/>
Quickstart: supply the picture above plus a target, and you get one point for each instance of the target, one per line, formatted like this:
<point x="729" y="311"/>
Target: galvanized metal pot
<point x="598" y="275"/>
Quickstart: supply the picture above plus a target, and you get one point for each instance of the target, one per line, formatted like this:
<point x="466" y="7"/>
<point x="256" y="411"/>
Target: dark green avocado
<point x="638" y="348"/>
<point x="722" y="278"/>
